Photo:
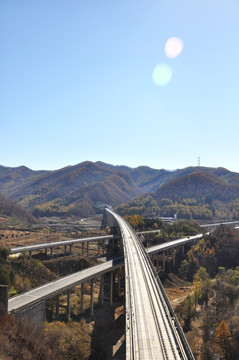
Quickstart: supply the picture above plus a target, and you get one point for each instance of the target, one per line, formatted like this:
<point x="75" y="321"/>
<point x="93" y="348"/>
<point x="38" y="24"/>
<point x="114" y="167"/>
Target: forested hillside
<point x="199" y="195"/>
<point x="84" y="189"/>
<point x="8" y="210"/>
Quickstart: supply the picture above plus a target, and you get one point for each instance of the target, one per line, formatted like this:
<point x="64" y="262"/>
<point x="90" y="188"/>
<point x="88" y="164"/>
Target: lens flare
<point x="173" y="47"/>
<point x="162" y="74"/>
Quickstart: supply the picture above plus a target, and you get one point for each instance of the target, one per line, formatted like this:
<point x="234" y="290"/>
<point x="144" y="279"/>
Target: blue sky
<point x="76" y="83"/>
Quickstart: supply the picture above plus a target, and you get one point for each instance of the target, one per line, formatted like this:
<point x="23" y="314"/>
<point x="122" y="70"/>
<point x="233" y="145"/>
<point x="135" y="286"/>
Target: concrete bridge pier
<point x="118" y="283"/>
<point x="71" y="249"/>
<point x="67" y="306"/>
<point x="103" y="247"/>
<point x="92" y="297"/>
<point x="164" y="260"/>
<point x="102" y="289"/>
<point x="57" y="307"/>
<point x="152" y="259"/>
<point x="157" y="262"/>
<point x="111" y="287"/>
<point x="30" y="255"/>
<point x="174" y="253"/>
<point x="113" y="224"/>
<point x="82" y="298"/>
<point x="82" y="247"/>
<point x="46" y="251"/>
<point x="3" y="300"/>
<point x="98" y="248"/>
<point x="87" y="248"/>
<point x="51" y="252"/>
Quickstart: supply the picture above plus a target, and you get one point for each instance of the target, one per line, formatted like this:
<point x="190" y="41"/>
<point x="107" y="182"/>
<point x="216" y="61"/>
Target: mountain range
<point x="84" y="189"/>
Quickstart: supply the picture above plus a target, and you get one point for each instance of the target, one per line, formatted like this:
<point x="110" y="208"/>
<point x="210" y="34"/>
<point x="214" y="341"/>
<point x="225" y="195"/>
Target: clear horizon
<point x="89" y="81"/>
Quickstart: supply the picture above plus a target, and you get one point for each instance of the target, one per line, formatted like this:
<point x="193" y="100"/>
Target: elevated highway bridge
<point x="152" y="330"/>
<point x="151" y="325"/>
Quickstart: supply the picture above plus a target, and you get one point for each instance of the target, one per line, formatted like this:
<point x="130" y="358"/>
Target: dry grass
<point x="177" y="296"/>
<point x="14" y="238"/>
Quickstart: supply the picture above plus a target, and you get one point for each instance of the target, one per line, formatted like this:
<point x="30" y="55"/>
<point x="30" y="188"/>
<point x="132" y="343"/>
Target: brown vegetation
<point x="56" y="340"/>
<point x="209" y="313"/>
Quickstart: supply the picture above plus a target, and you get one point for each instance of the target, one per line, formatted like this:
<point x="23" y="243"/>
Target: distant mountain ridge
<point x="83" y="188"/>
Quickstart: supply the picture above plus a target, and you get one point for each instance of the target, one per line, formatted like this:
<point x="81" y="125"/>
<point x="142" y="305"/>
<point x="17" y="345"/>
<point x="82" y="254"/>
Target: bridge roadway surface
<point x="221" y="223"/>
<point x="150" y="329"/>
<point x="51" y="289"/>
<point x="54" y="288"/>
<point x="15" y="250"/>
<point x="49" y="245"/>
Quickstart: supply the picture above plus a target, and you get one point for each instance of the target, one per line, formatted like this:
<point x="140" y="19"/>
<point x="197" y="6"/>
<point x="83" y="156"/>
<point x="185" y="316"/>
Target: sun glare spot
<point x="173" y="47"/>
<point x="162" y="74"/>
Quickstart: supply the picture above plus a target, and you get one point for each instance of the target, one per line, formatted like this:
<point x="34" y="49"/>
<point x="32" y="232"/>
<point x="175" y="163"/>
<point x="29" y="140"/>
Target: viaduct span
<point x="152" y="330"/>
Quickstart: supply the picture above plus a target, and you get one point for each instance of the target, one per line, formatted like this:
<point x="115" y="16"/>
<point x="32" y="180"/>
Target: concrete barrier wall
<point x="34" y="314"/>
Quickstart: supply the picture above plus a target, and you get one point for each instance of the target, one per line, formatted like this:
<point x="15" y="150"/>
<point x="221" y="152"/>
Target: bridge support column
<point x="71" y="249"/>
<point x="114" y="230"/>
<point x="65" y="249"/>
<point x="183" y="249"/>
<point x="69" y="304"/>
<point x="46" y="251"/>
<point x="152" y="259"/>
<point x="157" y="262"/>
<point x="174" y="253"/>
<point x="82" y="298"/>
<point x="103" y="247"/>
<point x="30" y="255"/>
<point x="111" y="288"/>
<point x="121" y="246"/>
<point x="98" y="248"/>
<point x="44" y="311"/>
<point x="3" y="300"/>
<point x="51" y="252"/>
<point x="57" y="307"/>
<point x="102" y="289"/>
<point x="167" y="255"/>
<point x="88" y="248"/>
<point x="82" y="247"/>
<point x="118" y="284"/>
<point x="163" y="261"/>
<point x="92" y="297"/>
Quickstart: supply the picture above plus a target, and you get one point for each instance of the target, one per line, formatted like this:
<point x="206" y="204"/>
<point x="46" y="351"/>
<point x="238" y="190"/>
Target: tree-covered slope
<point x="81" y="188"/>
<point x="198" y="195"/>
<point x="11" y="211"/>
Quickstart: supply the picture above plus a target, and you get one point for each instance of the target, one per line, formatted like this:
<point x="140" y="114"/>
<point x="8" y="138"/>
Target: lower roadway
<point x="54" y="288"/>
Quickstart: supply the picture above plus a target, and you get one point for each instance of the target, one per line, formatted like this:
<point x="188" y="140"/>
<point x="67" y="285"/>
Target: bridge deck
<point x="57" y="287"/>
<point x="150" y="329"/>
<point x="54" y="288"/>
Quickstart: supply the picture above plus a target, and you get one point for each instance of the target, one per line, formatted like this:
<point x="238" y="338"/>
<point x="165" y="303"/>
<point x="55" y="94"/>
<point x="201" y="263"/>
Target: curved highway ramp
<point x="152" y="330"/>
